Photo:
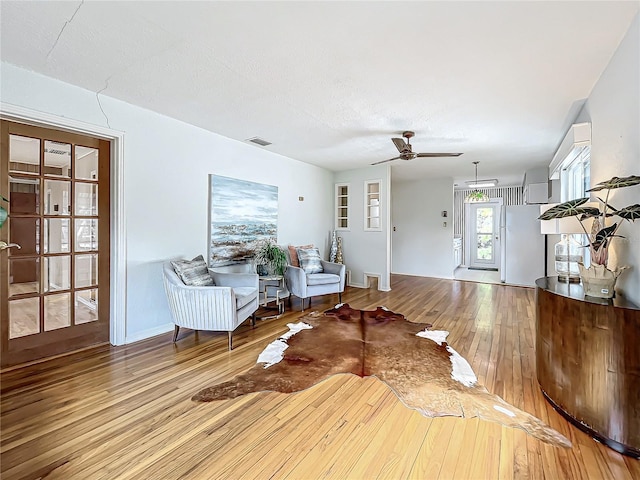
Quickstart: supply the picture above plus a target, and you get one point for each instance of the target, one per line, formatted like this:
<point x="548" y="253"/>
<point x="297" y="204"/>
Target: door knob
<point x="5" y="245"/>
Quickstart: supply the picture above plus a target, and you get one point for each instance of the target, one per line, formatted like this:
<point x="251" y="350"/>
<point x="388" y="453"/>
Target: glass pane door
<point x="56" y="214"/>
<point x="484" y="238"/>
<point x="484" y="233"/>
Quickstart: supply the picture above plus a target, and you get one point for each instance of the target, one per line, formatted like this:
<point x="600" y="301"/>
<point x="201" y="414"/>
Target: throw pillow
<point x="193" y="273"/>
<point x="293" y="254"/>
<point x="310" y="260"/>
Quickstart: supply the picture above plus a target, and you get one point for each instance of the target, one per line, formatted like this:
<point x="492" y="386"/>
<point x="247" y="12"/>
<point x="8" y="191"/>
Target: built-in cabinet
<point x="457" y="252"/>
<point x="342" y="206"/>
<point x="587" y="361"/>
<point x="372" y="205"/>
<point x="535" y="186"/>
<point x="536" y="193"/>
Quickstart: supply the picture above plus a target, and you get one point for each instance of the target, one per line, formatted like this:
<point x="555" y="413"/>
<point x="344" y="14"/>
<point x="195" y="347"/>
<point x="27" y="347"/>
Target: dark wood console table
<point x="588" y="361"/>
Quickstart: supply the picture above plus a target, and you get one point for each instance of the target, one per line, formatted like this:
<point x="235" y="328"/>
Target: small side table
<point x="273" y="292"/>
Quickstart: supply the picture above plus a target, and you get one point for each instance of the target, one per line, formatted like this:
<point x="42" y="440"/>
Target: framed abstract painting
<point x="242" y="214"/>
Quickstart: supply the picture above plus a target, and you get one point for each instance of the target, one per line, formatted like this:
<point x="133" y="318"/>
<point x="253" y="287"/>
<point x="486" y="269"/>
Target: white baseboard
<point x="152" y="332"/>
<point x="424" y="276"/>
<point x="366" y="276"/>
<point x="358" y="285"/>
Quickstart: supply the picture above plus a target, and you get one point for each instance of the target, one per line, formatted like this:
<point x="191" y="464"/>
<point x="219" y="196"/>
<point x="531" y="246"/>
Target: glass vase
<point x="568" y="252"/>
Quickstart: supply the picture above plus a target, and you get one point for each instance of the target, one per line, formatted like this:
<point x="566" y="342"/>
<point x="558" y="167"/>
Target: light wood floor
<point x="125" y="412"/>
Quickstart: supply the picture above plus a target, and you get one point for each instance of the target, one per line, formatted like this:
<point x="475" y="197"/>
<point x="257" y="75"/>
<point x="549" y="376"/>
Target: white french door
<point x="484" y="241"/>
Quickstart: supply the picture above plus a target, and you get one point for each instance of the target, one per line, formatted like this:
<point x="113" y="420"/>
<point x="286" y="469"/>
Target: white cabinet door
<point x="536" y="193"/>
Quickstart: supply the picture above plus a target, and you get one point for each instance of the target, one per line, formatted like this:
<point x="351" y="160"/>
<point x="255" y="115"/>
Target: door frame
<point x="117" y="286"/>
<point x="470" y="230"/>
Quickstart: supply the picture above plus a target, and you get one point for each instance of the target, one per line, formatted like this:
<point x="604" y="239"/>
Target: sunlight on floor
<point x="483" y="276"/>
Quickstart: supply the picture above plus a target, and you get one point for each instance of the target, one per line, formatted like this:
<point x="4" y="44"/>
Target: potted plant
<point x="598" y="280"/>
<point x="272" y="257"/>
<point x="3" y="211"/>
<point x="3" y="217"/>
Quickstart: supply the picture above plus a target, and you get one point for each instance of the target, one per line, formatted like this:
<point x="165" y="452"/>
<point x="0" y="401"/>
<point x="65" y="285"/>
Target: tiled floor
<point x="483" y="276"/>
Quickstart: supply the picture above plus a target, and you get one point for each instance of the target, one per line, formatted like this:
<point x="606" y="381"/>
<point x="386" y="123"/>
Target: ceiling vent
<point x="258" y="141"/>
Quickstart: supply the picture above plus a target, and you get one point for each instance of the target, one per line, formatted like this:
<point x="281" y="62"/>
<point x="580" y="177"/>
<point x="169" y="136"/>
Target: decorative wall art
<point x="242" y="214"/>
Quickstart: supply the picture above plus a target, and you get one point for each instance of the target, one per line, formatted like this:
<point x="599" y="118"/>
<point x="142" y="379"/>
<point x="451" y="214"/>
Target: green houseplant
<point x="272" y="257"/>
<point x="3" y="211"/>
<point x="3" y="217"/>
<point x="598" y="280"/>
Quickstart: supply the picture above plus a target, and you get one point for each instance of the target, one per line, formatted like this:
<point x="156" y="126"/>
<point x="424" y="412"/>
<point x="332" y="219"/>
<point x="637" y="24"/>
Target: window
<point x="575" y="180"/>
<point x="342" y="206"/>
<point x="372" y="220"/>
<point x="575" y="177"/>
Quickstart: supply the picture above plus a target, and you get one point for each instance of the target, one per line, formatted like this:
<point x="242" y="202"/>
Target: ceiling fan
<point x="407" y="153"/>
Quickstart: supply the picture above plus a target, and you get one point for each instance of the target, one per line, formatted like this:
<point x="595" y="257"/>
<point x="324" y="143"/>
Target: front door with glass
<point x="484" y="248"/>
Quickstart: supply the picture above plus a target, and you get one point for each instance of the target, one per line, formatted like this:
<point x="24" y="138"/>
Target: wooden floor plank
<point x="125" y="412"/>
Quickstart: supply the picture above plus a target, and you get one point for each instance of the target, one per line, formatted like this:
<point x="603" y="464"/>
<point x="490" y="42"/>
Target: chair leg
<point x="175" y="333"/>
<point x="230" y="341"/>
<point x="303" y="302"/>
<point x="339" y="297"/>
<point x="253" y="320"/>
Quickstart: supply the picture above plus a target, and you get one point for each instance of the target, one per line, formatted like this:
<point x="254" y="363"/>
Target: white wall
<point x="613" y="108"/>
<point x="366" y="251"/>
<point x="421" y="245"/>
<point x="166" y="169"/>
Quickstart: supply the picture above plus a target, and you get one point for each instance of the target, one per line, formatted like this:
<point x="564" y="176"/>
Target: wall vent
<point x="258" y="141"/>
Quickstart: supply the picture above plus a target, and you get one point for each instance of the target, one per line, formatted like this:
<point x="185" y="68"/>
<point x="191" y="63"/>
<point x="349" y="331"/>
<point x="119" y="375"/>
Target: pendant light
<point x="475" y="195"/>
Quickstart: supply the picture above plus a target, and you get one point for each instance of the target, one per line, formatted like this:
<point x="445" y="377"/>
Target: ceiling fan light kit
<point x="406" y="150"/>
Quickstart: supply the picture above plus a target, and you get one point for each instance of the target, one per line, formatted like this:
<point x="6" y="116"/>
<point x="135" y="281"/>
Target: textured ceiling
<point x="329" y="83"/>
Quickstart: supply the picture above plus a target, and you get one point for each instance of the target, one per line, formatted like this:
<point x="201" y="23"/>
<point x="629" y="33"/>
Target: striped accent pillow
<point x="293" y="254"/>
<point x="193" y="273"/>
<point x="310" y="260"/>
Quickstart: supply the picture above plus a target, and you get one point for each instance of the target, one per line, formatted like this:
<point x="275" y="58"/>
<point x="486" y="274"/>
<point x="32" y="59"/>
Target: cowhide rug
<point x="417" y="364"/>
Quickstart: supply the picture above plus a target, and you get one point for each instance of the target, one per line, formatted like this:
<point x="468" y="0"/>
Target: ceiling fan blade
<point x="439" y="154"/>
<point x="400" y="144"/>
<point x="385" y="161"/>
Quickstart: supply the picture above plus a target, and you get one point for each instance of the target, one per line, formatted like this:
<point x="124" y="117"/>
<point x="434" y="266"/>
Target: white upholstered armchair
<point x="306" y="285"/>
<point x="222" y="307"/>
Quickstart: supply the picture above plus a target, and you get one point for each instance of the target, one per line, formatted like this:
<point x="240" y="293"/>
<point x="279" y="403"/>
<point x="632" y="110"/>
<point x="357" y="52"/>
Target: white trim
<point x="368" y="276"/>
<point x="442" y="277"/>
<point x="385" y="286"/>
<point x="118" y="274"/>
<point x="151" y="332"/>
<point x="578" y="137"/>
<point x="367" y="284"/>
